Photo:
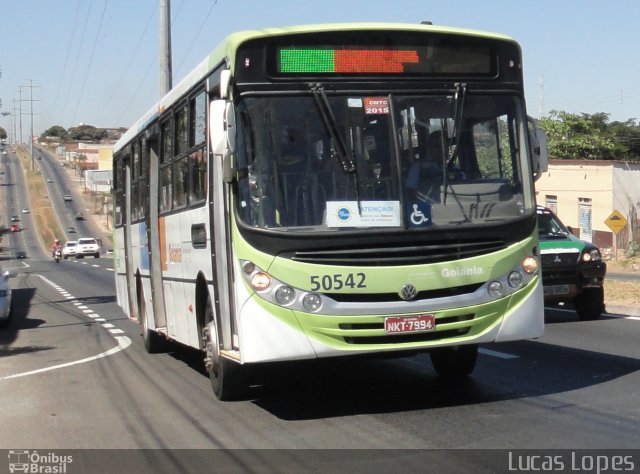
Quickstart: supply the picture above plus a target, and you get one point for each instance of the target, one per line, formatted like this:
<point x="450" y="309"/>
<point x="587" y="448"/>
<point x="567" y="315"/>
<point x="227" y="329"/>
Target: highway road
<point x="74" y="375"/>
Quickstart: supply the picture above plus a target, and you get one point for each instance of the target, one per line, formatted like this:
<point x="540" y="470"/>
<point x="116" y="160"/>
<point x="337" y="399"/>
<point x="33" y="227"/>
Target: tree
<point x="627" y="134"/>
<point x="87" y="132"/>
<point x="580" y="136"/>
<point x="56" y="131"/>
<point x="3" y="134"/>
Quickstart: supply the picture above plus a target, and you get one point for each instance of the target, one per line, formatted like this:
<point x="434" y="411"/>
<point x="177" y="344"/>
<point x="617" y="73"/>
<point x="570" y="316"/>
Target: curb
<point x="614" y="309"/>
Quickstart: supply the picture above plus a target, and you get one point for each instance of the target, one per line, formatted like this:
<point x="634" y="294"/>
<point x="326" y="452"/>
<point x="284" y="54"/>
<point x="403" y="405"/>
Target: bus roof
<point x="226" y="49"/>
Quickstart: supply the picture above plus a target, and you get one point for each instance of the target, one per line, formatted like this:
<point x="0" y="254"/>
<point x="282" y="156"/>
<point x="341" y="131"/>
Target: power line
<point x="88" y="68"/>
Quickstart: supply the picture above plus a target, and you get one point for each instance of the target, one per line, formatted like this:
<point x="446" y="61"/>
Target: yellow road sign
<point x="616" y="222"/>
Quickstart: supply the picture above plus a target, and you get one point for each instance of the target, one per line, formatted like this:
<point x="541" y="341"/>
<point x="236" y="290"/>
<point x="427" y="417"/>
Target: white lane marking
<point x="108" y="326"/>
<point x="102" y="320"/>
<point x="123" y="343"/>
<point x="87" y="311"/>
<point x="499" y="355"/>
<point x="83" y="307"/>
<point x="116" y="331"/>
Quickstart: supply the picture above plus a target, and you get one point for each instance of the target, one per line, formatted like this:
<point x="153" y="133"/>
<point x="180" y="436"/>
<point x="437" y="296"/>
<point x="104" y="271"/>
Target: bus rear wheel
<point x="227" y="377"/>
<point x="455" y="361"/>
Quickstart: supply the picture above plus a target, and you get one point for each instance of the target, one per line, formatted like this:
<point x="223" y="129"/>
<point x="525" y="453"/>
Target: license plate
<point x="408" y="324"/>
<point x="556" y="290"/>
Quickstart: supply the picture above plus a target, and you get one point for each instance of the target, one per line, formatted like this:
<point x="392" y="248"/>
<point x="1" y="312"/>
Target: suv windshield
<point x="550" y="227"/>
<point x="355" y="161"/>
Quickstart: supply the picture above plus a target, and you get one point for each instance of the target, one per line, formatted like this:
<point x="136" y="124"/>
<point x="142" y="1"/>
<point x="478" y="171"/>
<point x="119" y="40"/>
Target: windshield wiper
<point x="454" y="144"/>
<point x="344" y="158"/>
<point x="332" y="128"/>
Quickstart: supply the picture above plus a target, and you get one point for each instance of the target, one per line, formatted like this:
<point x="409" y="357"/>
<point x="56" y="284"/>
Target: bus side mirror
<point x="539" y="152"/>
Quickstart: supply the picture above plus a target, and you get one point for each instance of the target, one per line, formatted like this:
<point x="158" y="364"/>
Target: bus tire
<point x="590" y="304"/>
<point x="455" y="361"/>
<point x="226" y="376"/>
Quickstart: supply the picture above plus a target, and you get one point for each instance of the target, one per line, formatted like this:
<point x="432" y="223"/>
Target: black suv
<point x="572" y="269"/>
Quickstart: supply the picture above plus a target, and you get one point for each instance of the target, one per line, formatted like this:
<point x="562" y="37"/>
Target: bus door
<point x="128" y="251"/>
<point x="153" y="234"/>
<point x="220" y="232"/>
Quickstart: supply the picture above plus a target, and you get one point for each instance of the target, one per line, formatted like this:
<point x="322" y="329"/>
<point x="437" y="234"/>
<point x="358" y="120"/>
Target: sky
<point x="96" y="62"/>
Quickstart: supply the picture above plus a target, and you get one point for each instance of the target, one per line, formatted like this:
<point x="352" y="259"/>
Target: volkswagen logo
<point x="557" y="259"/>
<point x="408" y="292"/>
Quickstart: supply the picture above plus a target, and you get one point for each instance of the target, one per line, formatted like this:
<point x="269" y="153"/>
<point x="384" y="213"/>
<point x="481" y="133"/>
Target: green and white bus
<point x="334" y="190"/>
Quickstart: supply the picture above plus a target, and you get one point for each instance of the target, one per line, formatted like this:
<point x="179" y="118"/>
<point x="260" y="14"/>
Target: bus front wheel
<point x="454" y="361"/>
<point x="154" y="343"/>
<point x="226" y="376"/>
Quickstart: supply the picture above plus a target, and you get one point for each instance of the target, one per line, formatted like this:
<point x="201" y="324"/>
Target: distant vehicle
<point x="87" y="246"/>
<point x="69" y="249"/>
<point x="71" y="229"/>
<point x="14" y="218"/>
<point x="4" y="152"/>
<point x="67" y="197"/>
<point x="49" y="180"/>
<point x="572" y="269"/>
<point x="5" y="299"/>
<point x="79" y="216"/>
<point x="26" y="210"/>
<point x="21" y="254"/>
<point x="15" y="228"/>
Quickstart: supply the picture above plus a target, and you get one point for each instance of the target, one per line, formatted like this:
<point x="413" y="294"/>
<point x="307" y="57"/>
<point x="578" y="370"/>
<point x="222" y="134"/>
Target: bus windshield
<point x="325" y="162"/>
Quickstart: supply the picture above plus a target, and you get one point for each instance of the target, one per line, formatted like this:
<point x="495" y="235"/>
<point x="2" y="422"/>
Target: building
<point x="584" y="194"/>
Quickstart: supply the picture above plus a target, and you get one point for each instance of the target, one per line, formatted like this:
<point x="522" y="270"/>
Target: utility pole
<point x="165" y="47"/>
<point x="31" y="100"/>
<point x="20" y="112"/>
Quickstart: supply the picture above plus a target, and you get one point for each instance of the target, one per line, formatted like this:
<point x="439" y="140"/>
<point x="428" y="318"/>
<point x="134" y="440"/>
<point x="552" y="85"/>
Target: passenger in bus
<point x="425" y="174"/>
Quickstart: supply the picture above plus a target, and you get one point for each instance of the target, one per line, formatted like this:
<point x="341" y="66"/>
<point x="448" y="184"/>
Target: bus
<point x="334" y="190"/>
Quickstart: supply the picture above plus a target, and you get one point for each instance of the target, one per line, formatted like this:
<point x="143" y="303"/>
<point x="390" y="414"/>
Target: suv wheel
<point x="590" y="304"/>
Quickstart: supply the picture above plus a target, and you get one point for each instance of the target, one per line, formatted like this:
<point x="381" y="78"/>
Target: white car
<point x="69" y="249"/>
<point x="5" y="299"/>
<point x="87" y="246"/>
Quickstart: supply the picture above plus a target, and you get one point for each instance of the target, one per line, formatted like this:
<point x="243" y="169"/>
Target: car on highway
<point x="67" y="197"/>
<point x="26" y="210"/>
<point x="79" y="216"/>
<point x="572" y="269"/>
<point x="5" y="299"/>
<point x="14" y="228"/>
<point x="87" y="246"/>
<point x="49" y="180"/>
<point x="21" y="254"/>
<point x="69" y="249"/>
<point x="15" y="218"/>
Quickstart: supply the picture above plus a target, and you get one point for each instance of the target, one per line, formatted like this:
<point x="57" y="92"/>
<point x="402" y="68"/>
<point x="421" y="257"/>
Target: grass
<point x="623" y="293"/>
<point x="45" y="221"/>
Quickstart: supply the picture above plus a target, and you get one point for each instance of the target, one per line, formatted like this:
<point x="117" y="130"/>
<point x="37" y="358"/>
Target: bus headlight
<point x="515" y="279"/>
<point x="260" y="281"/>
<point x="496" y="289"/>
<point x="312" y="302"/>
<point x="285" y="295"/>
<point x="530" y="265"/>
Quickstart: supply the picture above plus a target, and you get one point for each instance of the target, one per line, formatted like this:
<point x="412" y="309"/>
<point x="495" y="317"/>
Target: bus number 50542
<point x="338" y="281"/>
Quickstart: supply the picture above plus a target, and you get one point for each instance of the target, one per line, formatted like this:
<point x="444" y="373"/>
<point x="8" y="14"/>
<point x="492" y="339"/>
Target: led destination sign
<point x="433" y="59"/>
